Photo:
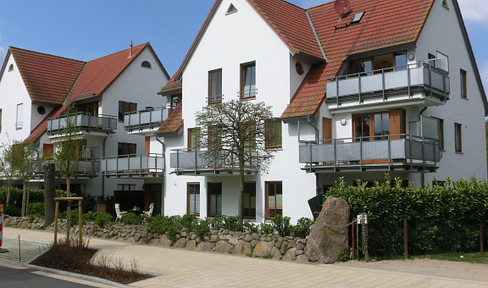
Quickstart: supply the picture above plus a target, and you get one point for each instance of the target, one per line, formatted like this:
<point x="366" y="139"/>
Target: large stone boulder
<point x="328" y="238"/>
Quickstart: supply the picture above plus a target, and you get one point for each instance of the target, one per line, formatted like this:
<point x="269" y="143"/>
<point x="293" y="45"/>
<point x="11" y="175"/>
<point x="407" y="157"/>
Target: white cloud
<point x="474" y="10"/>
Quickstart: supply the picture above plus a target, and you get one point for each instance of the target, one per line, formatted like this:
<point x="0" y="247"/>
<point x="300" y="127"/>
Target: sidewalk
<point x="182" y="268"/>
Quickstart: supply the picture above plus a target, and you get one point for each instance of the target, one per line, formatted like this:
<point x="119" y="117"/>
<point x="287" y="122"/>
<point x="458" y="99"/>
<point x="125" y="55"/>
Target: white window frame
<point x="19" y="116"/>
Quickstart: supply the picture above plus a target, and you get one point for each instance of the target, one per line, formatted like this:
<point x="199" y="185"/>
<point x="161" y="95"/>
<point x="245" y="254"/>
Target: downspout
<point x="163" y="183"/>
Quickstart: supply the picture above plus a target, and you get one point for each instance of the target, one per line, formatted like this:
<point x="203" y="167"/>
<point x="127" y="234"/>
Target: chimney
<point x="130" y="50"/>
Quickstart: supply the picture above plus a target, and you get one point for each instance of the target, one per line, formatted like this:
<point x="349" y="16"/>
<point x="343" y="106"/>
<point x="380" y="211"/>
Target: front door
<point x="214" y="199"/>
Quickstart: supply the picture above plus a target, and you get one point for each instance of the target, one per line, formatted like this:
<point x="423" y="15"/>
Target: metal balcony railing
<point x="87" y="168"/>
<point x="147" y="119"/>
<point x="194" y="161"/>
<point x="420" y="76"/>
<point x="150" y="164"/>
<point x="384" y="153"/>
<point x="84" y="123"/>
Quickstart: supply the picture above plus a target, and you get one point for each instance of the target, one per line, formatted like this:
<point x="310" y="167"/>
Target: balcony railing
<point x="420" y="76"/>
<point x="151" y="164"/>
<point x="83" y="123"/>
<point x="385" y="153"/>
<point x="144" y="120"/>
<point x="86" y="169"/>
<point x="193" y="161"/>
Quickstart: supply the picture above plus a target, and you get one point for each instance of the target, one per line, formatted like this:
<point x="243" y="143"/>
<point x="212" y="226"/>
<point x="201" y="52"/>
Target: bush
<point x="217" y="222"/>
<point x="231" y="223"/>
<point x="36" y="208"/>
<point x="188" y="222"/>
<point x="202" y="228"/>
<point x="169" y="225"/>
<point x="302" y="229"/>
<point x="132" y="219"/>
<point x="266" y="228"/>
<point x="250" y="227"/>
<point x="101" y="218"/>
<point x="281" y="224"/>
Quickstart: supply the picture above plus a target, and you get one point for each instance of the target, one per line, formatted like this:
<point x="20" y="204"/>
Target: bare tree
<point x="234" y="134"/>
<point x="7" y="169"/>
<point x="24" y="159"/>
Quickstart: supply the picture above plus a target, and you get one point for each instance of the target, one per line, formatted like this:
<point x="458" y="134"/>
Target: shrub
<point x="217" y="222"/>
<point x="36" y="208"/>
<point x="281" y="224"/>
<point x="132" y="219"/>
<point x="265" y="228"/>
<point x="202" y="228"/>
<point x="169" y="225"/>
<point x="231" y="223"/>
<point x="101" y="218"/>
<point x="188" y="221"/>
<point x="302" y="229"/>
<point x="250" y="227"/>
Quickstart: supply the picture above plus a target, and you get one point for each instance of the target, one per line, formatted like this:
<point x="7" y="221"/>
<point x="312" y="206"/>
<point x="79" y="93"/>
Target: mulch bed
<point x="77" y="259"/>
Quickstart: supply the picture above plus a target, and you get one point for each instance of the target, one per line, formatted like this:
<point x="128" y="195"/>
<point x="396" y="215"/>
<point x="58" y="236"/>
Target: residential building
<point x="36" y="89"/>
<point x="360" y="88"/>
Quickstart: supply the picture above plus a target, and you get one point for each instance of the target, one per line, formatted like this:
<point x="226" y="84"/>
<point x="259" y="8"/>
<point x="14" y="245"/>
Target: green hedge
<point x="443" y="218"/>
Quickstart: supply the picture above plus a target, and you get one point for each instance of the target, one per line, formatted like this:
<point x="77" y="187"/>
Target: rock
<point x="149" y="236"/>
<point x="206" y="246"/>
<point x="164" y="241"/>
<point x="248" y="238"/>
<point x="183" y="234"/>
<point x="284" y="247"/>
<point x="233" y="240"/>
<point x="180" y="243"/>
<point x="254" y="243"/>
<point x="275" y="252"/>
<point x="223" y="247"/>
<point x="328" y="238"/>
<point x="137" y="237"/>
<point x="242" y="248"/>
<point x="290" y="255"/>
<point x="262" y="249"/>
<point x="302" y="259"/>
<point x="154" y="241"/>
<point x="214" y="238"/>
<point x="300" y="246"/>
<point x="299" y="252"/>
<point x="191" y="245"/>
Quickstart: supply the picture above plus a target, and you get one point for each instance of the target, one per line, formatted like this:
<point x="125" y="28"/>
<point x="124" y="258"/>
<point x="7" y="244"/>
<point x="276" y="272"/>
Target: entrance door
<point x="327" y="130"/>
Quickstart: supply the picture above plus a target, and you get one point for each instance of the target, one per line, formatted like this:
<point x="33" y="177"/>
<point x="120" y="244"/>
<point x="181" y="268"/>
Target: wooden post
<point x="405" y="238"/>
<point x="481" y="237"/>
<point x="56" y="210"/>
<point x="80" y="224"/>
<point x="68" y="220"/>
<point x="357" y="240"/>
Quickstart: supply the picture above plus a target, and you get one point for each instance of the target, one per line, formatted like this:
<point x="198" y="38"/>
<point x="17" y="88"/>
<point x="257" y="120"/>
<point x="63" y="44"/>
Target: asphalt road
<point x="21" y="279"/>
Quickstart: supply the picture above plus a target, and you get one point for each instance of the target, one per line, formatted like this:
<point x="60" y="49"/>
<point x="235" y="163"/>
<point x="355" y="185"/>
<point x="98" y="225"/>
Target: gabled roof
<point x="290" y="22"/>
<point x="48" y="78"/>
<point x="171" y="86"/>
<point x="98" y="74"/>
<point x="174" y="122"/>
<point x="386" y="23"/>
<point x="41" y="128"/>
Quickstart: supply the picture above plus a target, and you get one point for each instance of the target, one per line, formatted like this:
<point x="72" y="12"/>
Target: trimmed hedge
<point x="443" y="218"/>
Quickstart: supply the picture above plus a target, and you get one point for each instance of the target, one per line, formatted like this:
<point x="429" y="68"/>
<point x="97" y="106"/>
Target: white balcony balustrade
<point x="89" y="124"/>
<point x="145" y="120"/>
<point x="144" y="165"/>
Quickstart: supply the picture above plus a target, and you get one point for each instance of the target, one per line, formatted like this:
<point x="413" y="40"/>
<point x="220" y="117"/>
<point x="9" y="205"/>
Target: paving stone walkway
<point x="177" y="268"/>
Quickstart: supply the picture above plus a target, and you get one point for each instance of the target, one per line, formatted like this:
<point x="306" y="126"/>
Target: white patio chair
<point x="118" y="213"/>
<point x="149" y="212"/>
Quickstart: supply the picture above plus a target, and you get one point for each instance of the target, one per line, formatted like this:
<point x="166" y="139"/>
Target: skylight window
<point x="357" y="18"/>
<point x="231" y="10"/>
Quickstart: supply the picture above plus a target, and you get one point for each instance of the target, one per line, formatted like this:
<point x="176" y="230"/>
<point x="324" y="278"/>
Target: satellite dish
<point x="342" y="6"/>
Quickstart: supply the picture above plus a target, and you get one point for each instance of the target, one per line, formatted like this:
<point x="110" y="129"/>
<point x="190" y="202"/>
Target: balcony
<point x="145" y="121"/>
<point x="83" y="124"/>
<point x="195" y="162"/>
<point x="414" y="84"/>
<point x="87" y="168"/>
<point x="133" y="166"/>
<point x="392" y="152"/>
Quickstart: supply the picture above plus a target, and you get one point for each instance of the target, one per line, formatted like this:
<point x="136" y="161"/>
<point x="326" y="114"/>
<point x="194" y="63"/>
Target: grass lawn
<point x="481" y="258"/>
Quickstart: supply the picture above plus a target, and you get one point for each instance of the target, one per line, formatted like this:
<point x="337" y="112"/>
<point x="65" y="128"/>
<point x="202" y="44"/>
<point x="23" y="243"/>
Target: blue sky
<point x="89" y="29"/>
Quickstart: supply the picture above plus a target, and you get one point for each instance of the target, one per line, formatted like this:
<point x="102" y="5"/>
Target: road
<point x="22" y="279"/>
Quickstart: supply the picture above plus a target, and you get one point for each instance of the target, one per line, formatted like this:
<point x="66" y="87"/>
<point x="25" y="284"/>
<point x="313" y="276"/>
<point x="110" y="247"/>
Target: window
<point x="274" y="199"/>
<point x="273" y="133"/>
<point x="357" y="18"/>
<point x="231" y="10"/>
<point x="146" y="64"/>
<point x="11" y="68"/>
<point x="458" y="144"/>
<point x="19" y="116"/>
<point x="125" y="107"/>
<point x="193" y="206"/>
<point x="249" y="201"/>
<point x="174" y="99"/>
<point x="90" y="108"/>
<point x="440" y="132"/>
<point x="126" y="149"/>
<point x="431" y="58"/>
<point x="381" y="125"/>
<point x="214" y="192"/>
<point x="193" y="138"/>
<point x="214" y="138"/>
<point x="248" y="80"/>
<point x="464" y="87"/>
<point x="442" y="61"/>
<point x="215" y="86"/>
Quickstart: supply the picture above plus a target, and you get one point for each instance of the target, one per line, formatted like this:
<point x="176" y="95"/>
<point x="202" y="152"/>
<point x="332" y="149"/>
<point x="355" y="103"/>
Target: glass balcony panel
<point x="85" y="123"/>
<point x="145" y="119"/>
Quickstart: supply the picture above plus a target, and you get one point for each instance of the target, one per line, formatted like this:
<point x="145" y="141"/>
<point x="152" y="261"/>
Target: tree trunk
<point x="241" y="192"/>
<point x="49" y="193"/>
<point x="24" y="198"/>
<point x="68" y="210"/>
<point x="8" y="188"/>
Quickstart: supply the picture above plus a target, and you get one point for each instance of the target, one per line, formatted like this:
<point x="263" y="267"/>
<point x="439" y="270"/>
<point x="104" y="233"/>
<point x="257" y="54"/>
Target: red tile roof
<point x="48" y="78"/>
<point x="291" y="23"/>
<point x="174" y="122"/>
<point x="98" y="74"/>
<point x="171" y="86"/>
<point x="385" y="23"/>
